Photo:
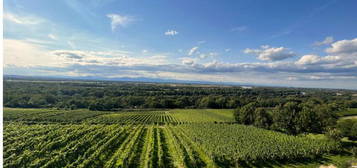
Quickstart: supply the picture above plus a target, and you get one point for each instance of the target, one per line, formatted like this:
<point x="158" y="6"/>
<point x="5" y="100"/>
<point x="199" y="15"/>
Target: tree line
<point x="105" y="96"/>
<point x="292" y="117"/>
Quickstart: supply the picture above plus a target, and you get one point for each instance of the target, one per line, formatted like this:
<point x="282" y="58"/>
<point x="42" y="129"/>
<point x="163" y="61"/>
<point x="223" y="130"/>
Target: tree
<point x="306" y="119"/>
<point x="285" y="117"/>
<point x="262" y="118"/>
<point x="353" y="131"/>
<point x="345" y="126"/>
<point x="208" y="102"/>
<point x="245" y="115"/>
<point x="326" y="115"/>
<point x="236" y="114"/>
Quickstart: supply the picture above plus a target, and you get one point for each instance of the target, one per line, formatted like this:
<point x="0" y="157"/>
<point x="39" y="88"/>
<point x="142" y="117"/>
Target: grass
<point x="203" y="115"/>
<point x="349" y="112"/>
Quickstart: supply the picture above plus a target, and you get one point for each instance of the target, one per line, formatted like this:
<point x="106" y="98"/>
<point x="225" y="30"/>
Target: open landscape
<point x="179" y="84"/>
<point x="71" y="132"/>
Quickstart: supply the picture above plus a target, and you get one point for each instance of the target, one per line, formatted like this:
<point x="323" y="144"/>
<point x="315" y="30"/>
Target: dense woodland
<point x="105" y="96"/>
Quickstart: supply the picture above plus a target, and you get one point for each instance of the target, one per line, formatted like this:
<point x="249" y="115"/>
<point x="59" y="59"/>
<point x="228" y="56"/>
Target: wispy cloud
<point x="71" y="44"/>
<point x="26" y="20"/>
<point x="201" y="42"/>
<point x="192" y="51"/>
<point x="51" y="36"/>
<point x="328" y="40"/>
<point x="119" y="20"/>
<point x="171" y="32"/>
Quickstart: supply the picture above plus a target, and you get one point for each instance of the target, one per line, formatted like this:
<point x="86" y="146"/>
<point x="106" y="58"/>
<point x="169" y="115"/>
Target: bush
<point x="334" y="134"/>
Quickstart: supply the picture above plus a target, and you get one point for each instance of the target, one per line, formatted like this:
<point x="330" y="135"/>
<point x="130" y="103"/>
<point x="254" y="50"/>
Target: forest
<point x="109" y="96"/>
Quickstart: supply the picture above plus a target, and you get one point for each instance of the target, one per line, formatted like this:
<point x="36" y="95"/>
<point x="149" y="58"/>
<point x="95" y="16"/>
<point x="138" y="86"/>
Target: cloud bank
<point x="339" y="63"/>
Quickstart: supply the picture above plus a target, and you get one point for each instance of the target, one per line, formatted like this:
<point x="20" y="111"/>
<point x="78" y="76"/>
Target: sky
<point x="258" y="42"/>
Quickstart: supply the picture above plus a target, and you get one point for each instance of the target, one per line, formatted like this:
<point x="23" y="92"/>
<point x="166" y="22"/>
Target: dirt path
<point x="349" y="117"/>
<point x="329" y="166"/>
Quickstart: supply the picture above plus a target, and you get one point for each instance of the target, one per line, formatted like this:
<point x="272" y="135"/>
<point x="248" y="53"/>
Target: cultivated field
<point x="167" y="138"/>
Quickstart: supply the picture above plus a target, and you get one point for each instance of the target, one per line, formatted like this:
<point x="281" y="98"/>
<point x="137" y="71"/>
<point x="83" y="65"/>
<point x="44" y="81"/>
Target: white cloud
<point x="227" y="50"/>
<point x="37" y="41"/>
<point x="292" y="78"/>
<point x="213" y="54"/>
<point x="206" y="55"/>
<point x="38" y="55"/>
<point x="192" y="50"/>
<point x="171" y="33"/>
<point x="107" y="58"/>
<point x="343" y="47"/>
<point x="26" y="20"/>
<point x="328" y="40"/>
<point x="144" y="51"/>
<point x="202" y="56"/>
<point x="188" y="61"/>
<point x="51" y="36"/>
<point x="267" y="53"/>
<point x="27" y="54"/>
<point x="119" y="20"/>
<point x="309" y="59"/>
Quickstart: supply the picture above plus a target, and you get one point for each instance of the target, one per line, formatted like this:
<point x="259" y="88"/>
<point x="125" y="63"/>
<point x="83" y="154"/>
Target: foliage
<point x="246" y="143"/>
<point x="105" y="96"/>
<point x="334" y="134"/>
<point x="348" y="128"/>
<point x="292" y="117"/>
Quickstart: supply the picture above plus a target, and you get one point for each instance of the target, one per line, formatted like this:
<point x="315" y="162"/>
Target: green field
<point x="167" y="138"/>
<point x="349" y="112"/>
<point x="48" y="115"/>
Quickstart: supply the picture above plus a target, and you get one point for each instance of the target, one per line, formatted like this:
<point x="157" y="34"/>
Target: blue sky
<point x="262" y="42"/>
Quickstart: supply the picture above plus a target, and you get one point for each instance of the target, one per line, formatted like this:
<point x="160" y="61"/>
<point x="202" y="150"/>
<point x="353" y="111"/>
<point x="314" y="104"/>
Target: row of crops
<point x="138" y="145"/>
<point x="113" y="145"/>
<point x="49" y="115"/>
<point x="178" y="116"/>
<point x="151" y="117"/>
<point x="229" y="145"/>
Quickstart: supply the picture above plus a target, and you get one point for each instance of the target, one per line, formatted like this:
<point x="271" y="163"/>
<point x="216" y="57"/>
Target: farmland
<point x="173" y="138"/>
<point x="109" y="124"/>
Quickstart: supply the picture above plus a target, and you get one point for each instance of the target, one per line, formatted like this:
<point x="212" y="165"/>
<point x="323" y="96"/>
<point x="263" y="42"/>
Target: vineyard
<point x="178" y="116"/>
<point x="48" y="115"/>
<point x="176" y="138"/>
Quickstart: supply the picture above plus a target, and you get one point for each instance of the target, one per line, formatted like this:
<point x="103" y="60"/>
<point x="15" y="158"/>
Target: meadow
<point x="165" y="138"/>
